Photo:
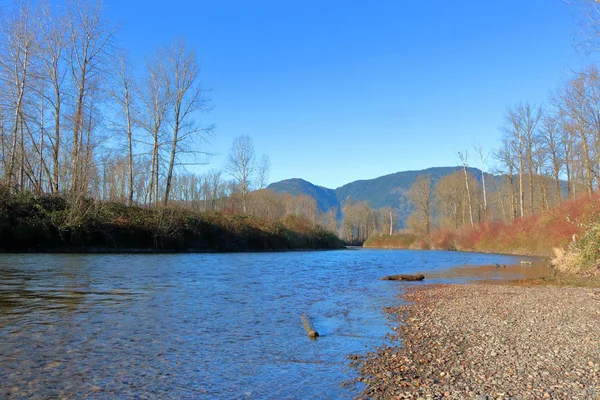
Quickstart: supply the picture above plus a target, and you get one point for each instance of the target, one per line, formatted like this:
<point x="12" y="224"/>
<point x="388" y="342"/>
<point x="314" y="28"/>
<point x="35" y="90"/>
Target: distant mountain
<point x="325" y="198"/>
<point x="385" y="191"/>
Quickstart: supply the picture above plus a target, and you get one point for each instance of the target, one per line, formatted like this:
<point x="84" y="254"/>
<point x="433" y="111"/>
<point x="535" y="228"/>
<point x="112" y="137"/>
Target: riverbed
<point x="217" y="326"/>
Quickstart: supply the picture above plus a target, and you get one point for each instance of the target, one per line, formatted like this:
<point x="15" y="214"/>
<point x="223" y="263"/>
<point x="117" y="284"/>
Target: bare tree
<point x="420" y="194"/>
<point x="262" y="171"/>
<point x="387" y="215"/>
<point x="573" y="103"/>
<point x="123" y="94"/>
<point x="90" y="42"/>
<point x="551" y="141"/>
<point x="529" y="118"/>
<point x="359" y="221"/>
<point x="479" y="150"/>
<point x="240" y="165"/>
<point x="52" y="35"/>
<point x="463" y="160"/>
<point x="507" y="156"/>
<point x="589" y="24"/>
<point x="185" y="97"/>
<point x="16" y="58"/>
<point x="154" y="101"/>
<point x="450" y="194"/>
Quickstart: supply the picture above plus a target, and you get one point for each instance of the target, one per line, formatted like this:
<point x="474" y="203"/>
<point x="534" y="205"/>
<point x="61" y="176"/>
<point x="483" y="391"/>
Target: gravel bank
<point x="489" y="342"/>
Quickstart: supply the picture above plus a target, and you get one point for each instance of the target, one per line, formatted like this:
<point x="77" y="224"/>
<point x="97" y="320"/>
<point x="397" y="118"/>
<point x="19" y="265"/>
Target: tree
<point x="90" y="44"/>
<point x="420" y="194"/>
<point x="154" y="102"/>
<point x="16" y="59"/>
<point x="240" y="165"/>
<point x="479" y="150"/>
<point x="463" y="159"/>
<point x="450" y="195"/>
<point x="329" y="220"/>
<point x="185" y="97"/>
<point x="388" y="217"/>
<point x="52" y="47"/>
<point x="123" y="94"/>
<point x="550" y="140"/>
<point x="359" y="221"/>
<point x="263" y="169"/>
<point x="590" y="22"/>
<point x="574" y="106"/>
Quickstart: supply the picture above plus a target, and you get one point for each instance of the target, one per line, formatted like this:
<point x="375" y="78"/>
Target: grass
<point x="563" y="280"/>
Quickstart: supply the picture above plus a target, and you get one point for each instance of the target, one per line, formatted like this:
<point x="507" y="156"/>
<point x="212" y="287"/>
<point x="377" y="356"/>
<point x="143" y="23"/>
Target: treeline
<point x="77" y="116"/>
<point x="549" y="153"/>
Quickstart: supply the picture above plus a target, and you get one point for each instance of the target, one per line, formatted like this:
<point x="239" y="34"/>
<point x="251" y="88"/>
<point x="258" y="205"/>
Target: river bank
<point x="44" y="223"/>
<point x="489" y="341"/>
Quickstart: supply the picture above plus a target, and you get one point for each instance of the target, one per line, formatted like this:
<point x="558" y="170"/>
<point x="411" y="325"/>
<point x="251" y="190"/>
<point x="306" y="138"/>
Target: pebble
<point x="486" y="342"/>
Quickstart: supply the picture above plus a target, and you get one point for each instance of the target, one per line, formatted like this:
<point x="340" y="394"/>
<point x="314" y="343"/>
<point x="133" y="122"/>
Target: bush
<point x="30" y="222"/>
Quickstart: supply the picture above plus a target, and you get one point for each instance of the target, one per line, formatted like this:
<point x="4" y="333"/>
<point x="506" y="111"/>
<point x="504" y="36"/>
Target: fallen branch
<point x="310" y="330"/>
<point x="403" y="278"/>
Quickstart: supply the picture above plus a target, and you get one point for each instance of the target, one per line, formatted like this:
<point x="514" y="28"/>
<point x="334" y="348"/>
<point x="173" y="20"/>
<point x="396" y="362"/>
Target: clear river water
<point x="222" y="326"/>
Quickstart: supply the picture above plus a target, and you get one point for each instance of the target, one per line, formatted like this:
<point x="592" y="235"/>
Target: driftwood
<point x="403" y="278"/>
<point x="310" y="330"/>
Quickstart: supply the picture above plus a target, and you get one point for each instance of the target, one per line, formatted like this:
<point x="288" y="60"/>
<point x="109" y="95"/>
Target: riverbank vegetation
<point x="567" y="233"/>
<point x="30" y="222"/>
<point x="536" y="234"/>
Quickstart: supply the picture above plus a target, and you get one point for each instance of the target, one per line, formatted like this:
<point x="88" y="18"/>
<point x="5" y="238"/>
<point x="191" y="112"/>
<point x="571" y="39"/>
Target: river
<point x="222" y="326"/>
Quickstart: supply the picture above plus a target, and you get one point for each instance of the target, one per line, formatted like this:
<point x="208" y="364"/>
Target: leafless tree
<point x="463" y="160"/>
<point x="16" y="59"/>
<point x="420" y="194"/>
<point x="262" y="171"/>
<point x="185" y="98"/>
<point x="90" y="43"/>
<point x="479" y="150"/>
<point x="52" y="28"/>
<point x="573" y="106"/>
<point x="154" y="101"/>
<point x="508" y="158"/>
<point x="123" y="93"/>
<point x="551" y="141"/>
<point x="240" y="165"/>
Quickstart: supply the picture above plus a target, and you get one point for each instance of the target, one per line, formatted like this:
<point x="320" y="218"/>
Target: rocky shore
<point x="489" y="342"/>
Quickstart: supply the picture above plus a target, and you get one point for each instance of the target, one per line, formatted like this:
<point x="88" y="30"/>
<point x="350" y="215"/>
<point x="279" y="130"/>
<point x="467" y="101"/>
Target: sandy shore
<point x="489" y="342"/>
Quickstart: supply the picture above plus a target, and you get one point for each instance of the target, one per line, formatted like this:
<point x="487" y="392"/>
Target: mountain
<point x="325" y="198"/>
<point x="385" y="191"/>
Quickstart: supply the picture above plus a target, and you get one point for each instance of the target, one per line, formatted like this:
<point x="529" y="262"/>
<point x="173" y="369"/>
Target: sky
<point x="337" y="91"/>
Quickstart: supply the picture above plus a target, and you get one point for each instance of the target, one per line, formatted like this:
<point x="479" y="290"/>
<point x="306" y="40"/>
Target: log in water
<point x="403" y="278"/>
<point x="310" y="330"/>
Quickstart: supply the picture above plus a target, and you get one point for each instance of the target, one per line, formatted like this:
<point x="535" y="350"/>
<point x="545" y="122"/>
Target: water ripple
<point x="200" y="325"/>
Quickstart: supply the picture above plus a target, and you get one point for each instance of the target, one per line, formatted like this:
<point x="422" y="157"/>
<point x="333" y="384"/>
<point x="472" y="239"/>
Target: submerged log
<point x="310" y="330"/>
<point x="403" y="278"/>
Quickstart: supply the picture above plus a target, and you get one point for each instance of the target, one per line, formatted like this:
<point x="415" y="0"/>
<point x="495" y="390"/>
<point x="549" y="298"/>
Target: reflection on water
<point x="204" y="325"/>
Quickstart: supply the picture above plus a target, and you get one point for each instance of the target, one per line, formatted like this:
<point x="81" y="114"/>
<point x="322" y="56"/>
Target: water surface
<point x="220" y="326"/>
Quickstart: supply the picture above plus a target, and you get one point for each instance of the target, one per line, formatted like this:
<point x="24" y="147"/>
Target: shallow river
<point x="220" y="326"/>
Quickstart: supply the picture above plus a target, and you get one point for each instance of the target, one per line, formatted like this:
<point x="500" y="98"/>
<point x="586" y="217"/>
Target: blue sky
<point x="335" y="91"/>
